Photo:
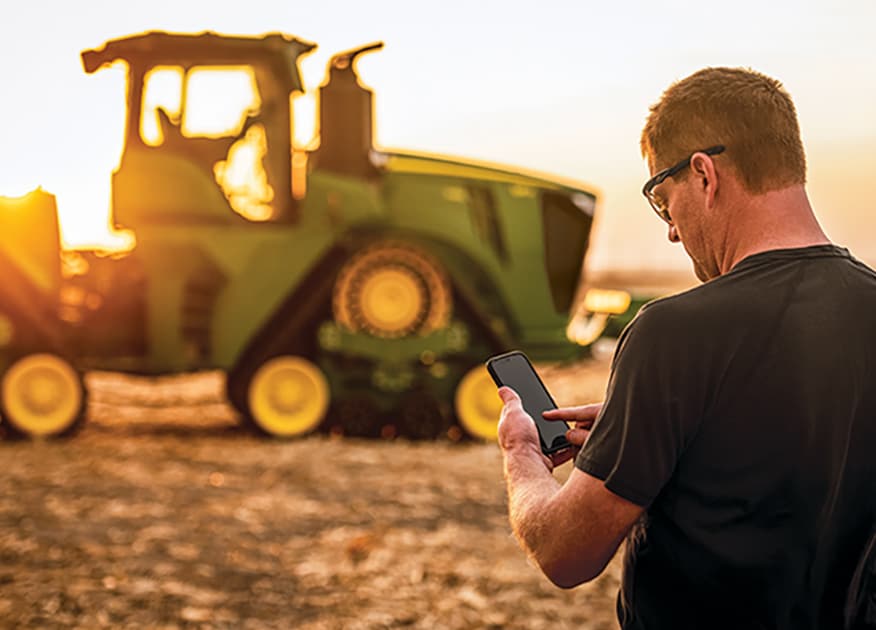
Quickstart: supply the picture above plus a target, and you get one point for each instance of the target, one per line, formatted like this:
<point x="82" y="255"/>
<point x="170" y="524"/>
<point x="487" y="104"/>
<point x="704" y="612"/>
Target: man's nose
<point x="673" y="234"/>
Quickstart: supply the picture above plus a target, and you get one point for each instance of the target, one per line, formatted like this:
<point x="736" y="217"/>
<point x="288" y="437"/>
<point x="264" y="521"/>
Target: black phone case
<point x="499" y="383"/>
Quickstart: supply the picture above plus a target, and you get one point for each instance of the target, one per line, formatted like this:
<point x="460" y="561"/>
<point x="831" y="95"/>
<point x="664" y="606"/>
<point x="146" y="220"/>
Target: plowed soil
<point x="163" y="513"/>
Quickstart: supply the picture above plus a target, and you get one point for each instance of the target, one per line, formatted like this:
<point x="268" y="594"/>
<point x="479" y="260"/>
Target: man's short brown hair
<point x="749" y="113"/>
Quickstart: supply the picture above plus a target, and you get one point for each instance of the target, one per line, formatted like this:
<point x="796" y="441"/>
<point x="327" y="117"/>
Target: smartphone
<point x="514" y="370"/>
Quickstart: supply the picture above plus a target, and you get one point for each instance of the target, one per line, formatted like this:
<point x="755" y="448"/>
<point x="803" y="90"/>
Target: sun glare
<point x="304" y="117"/>
<point x="217" y="101"/>
<point x="84" y="227"/>
<point x="204" y="102"/>
<point x="243" y="178"/>
<point x="162" y="92"/>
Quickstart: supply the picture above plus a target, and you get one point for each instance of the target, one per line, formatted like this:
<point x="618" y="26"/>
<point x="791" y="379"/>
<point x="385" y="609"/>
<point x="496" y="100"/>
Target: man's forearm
<point x="530" y="488"/>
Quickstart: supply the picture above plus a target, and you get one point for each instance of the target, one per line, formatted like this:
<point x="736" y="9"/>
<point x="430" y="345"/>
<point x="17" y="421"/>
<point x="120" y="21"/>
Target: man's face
<point x="688" y="221"/>
<point x="685" y="196"/>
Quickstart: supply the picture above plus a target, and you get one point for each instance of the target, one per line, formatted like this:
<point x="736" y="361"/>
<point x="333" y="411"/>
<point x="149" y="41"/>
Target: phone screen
<point x="515" y="371"/>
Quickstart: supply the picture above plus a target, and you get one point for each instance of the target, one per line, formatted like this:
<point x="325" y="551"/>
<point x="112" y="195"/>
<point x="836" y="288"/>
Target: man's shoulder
<point x="725" y="297"/>
<point x="684" y="322"/>
<point x="693" y="307"/>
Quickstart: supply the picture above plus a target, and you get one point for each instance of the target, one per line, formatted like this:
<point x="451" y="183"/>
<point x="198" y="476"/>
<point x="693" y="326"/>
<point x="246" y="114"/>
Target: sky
<point x="560" y="87"/>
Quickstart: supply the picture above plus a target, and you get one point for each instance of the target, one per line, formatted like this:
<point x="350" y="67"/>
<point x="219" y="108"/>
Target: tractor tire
<point x="291" y="331"/>
<point x="392" y="290"/>
<point x="477" y="405"/>
<point x="42" y="396"/>
<point x="286" y="397"/>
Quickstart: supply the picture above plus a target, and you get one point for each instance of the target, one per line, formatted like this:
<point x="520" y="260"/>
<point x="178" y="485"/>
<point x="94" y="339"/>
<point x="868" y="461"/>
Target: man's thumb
<point x="508" y="395"/>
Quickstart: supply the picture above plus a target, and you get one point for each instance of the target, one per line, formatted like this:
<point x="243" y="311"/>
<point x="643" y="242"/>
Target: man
<point x="735" y="447"/>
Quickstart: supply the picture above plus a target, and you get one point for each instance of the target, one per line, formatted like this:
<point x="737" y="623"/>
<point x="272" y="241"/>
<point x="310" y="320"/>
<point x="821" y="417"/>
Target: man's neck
<point x="779" y="219"/>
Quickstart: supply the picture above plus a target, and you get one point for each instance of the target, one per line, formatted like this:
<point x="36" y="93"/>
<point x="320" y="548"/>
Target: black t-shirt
<point x="742" y="415"/>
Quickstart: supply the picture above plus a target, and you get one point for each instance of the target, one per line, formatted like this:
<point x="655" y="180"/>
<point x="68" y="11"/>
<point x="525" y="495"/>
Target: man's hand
<point x="517" y="428"/>
<point x="581" y="418"/>
<point x="571" y="529"/>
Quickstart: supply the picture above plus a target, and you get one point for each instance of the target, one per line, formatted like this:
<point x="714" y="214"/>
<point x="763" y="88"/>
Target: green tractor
<point x="343" y="288"/>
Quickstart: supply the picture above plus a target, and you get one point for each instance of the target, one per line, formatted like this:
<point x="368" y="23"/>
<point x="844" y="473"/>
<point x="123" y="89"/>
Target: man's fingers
<point x="581" y="413"/>
<point x="577" y="424"/>
<point x="577" y="436"/>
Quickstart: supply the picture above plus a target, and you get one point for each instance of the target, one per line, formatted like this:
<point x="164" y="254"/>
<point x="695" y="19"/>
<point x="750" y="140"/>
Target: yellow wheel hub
<point x="392" y="290"/>
<point x="478" y="405"/>
<point x="288" y="396"/>
<point x="392" y="299"/>
<point x="42" y="395"/>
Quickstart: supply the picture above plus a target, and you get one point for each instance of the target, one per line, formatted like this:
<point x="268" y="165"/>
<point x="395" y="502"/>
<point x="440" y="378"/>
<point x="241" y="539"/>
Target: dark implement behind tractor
<point x="41" y="393"/>
<point x="344" y="288"/>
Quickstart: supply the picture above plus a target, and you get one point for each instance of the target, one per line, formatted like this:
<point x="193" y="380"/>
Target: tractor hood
<point x="534" y="215"/>
<point x="426" y="164"/>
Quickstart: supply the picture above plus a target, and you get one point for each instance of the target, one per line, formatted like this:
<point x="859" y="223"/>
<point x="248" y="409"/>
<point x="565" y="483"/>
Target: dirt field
<point x="162" y="513"/>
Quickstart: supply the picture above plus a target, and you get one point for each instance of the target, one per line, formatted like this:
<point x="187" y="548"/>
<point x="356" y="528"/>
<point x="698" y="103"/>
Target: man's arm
<point x="573" y="530"/>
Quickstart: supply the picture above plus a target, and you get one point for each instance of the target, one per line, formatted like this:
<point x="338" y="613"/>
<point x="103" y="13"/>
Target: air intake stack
<point x="346" y="117"/>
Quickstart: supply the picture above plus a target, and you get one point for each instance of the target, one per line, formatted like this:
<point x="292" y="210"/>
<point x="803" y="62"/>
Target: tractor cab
<point x="208" y="129"/>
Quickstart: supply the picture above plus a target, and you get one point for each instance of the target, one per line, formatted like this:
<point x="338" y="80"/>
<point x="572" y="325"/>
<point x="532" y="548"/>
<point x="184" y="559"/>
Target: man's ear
<point x="703" y="168"/>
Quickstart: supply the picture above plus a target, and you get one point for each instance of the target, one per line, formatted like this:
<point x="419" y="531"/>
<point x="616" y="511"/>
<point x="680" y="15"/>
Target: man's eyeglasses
<point x="659" y="205"/>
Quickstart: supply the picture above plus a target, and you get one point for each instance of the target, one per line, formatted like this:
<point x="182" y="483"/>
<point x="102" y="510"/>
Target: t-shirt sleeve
<point x="654" y="405"/>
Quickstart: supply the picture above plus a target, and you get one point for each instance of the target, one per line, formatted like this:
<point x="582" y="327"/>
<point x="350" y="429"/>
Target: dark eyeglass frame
<point x="665" y="174"/>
